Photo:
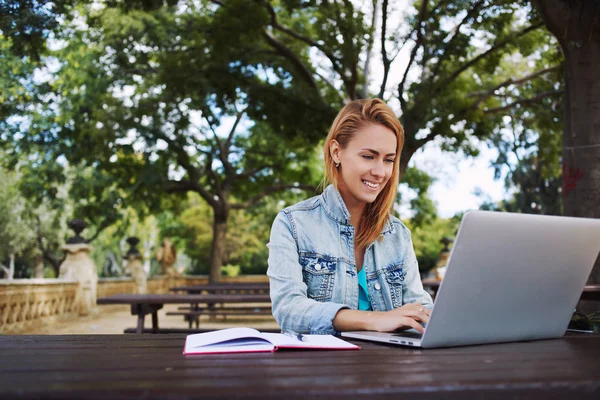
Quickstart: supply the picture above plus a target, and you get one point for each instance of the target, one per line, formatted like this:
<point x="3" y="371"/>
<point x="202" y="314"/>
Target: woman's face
<point x="366" y="164"/>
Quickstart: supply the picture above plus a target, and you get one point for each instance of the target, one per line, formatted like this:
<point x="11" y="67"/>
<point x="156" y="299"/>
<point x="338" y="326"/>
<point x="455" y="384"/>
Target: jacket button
<point x="377" y="286"/>
<point x="318" y="267"/>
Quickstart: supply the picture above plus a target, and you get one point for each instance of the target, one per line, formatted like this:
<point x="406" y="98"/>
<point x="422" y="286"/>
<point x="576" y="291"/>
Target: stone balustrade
<point x="29" y="303"/>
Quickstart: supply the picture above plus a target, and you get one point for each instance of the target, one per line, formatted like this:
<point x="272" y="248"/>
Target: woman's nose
<point x="378" y="169"/>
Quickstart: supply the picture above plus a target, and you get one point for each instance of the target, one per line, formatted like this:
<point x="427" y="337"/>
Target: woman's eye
<point x="368" y="157"/>
<point x="389" y="161"/>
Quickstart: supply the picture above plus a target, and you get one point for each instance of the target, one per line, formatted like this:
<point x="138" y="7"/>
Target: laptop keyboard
<point x="409" y="335"/>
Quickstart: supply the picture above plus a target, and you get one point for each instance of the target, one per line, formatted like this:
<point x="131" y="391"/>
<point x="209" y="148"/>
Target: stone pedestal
<point x="440" y="267"/>
<point x="166" y="256"/>
<point x="135" y="268"/>
<point x="79" y="266"/>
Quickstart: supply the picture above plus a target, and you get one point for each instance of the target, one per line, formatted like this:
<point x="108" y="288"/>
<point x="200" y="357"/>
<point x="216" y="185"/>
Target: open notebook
<point x="244" y="340"/>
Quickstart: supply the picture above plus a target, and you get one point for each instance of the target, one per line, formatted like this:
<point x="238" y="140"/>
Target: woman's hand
<point x="407" y="316"/>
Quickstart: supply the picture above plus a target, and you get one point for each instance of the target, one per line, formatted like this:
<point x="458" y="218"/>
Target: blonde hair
<point x="354" y="116"/>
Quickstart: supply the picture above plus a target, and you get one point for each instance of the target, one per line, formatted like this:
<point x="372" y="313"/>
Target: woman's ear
<point x="334" y="151"/>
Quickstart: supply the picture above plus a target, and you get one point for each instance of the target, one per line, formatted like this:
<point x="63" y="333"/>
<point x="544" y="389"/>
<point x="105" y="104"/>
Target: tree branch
<point x="105" y="224"/>
<point x="525" y="101"/>
<point x="240" y="114"/>
<point x="413" y="53"/>
<point x="490" y="92"/>
<point x="209" y="171"/>
<point x="291" y="56"/>
<point x="352" y="83"/>
<point x="370" y="46"/>
<point x="426" y="139"/>
<point x="386" y="61"/>
<point x="268" y="190"/>
<point x="495" y="48"/>
<point x="470" y="14"/>
<point x="248" y="174"/>
<point x="275" y="24"/>
<point x="486" y="94"/>
<point x="185" y="185"/>
<point x="183" y="158"/>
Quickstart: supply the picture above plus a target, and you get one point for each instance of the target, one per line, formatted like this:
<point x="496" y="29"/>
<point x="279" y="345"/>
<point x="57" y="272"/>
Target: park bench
<point x="192" y="313"/>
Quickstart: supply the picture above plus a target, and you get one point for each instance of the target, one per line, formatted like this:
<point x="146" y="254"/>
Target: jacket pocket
<point x="318" y="273"/>
<point x="394" y="276"/>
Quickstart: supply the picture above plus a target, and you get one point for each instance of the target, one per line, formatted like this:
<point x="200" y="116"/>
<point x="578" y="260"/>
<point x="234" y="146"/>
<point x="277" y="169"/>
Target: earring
<point x="337" y="165"/>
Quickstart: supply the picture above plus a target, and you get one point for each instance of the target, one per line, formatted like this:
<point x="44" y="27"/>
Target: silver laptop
<point x="510" y="277"/>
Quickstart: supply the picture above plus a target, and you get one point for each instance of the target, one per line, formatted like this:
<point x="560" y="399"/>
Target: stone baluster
<point x="79" y="266"/>
<point x="135" y="266"/>
<point x="440" y="267"/>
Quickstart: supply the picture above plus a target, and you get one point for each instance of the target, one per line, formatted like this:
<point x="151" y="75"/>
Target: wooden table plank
<point x="183" y="298"/>
<point x="223" y="288"/>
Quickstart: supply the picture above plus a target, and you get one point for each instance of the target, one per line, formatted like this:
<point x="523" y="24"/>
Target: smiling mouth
<point x="371" y="185"/>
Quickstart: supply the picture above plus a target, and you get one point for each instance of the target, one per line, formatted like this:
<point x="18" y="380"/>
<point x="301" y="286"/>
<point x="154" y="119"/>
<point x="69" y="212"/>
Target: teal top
<point x="363" y="293"/>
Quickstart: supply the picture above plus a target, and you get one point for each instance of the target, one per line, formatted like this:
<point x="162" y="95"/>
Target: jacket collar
<point x="334" y="205"/>
<point x="336" y="208"/>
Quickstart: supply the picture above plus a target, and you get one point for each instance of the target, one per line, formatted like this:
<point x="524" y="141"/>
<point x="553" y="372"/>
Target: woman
<point x="340" y="261"/>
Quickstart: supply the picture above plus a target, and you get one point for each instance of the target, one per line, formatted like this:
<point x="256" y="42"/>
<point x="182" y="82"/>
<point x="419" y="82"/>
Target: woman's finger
<point x="417" y="314"/>
<point x="407" y="321"/>
<point x="422" y="308"/>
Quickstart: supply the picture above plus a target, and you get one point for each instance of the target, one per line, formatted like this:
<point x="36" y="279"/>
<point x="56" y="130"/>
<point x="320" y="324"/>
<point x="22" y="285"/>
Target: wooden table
<point x="144" y="304"/>
<point x="152" y="367"/>
<point x="225" y="288"/>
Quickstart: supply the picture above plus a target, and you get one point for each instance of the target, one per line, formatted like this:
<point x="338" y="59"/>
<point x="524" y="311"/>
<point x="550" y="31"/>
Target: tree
<point x="16" y="237"/>
<point x="575" y="25"/>
<point x="192" y="120"/>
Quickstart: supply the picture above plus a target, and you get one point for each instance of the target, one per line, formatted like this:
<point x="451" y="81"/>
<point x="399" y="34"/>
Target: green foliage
<point x="29" y="22"/>
<point x="424" y="209"/>
<point x="230" y="270"/>
<point x="427" y="239"/>
<point x="14" y="235"/>
<point x="28" y="230"/>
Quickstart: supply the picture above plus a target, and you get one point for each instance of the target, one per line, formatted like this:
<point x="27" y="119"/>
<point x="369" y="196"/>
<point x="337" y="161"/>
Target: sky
<point x="457" y="177"/>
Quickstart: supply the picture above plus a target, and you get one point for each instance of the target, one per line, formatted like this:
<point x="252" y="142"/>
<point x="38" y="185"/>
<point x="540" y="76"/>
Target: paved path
<point x="114" y="319"/>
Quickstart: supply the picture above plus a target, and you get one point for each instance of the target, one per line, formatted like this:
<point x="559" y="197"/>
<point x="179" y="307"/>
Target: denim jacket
<point x="312" y="271"/>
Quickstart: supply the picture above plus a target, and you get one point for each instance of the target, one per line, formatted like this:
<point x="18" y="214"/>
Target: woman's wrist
<point x="355" y="320"/>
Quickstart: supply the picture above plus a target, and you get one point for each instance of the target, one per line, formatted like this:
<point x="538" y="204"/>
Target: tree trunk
<point x="407" y="153"/>
<point x="217" y="250"/>
<point x="574" y="25"/>
<point x="11" y="267"/>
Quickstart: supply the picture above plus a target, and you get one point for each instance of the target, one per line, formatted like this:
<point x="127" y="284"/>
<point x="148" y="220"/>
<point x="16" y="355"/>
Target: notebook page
<point x="199" y="340"/>
<point x="310" y="341"/>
